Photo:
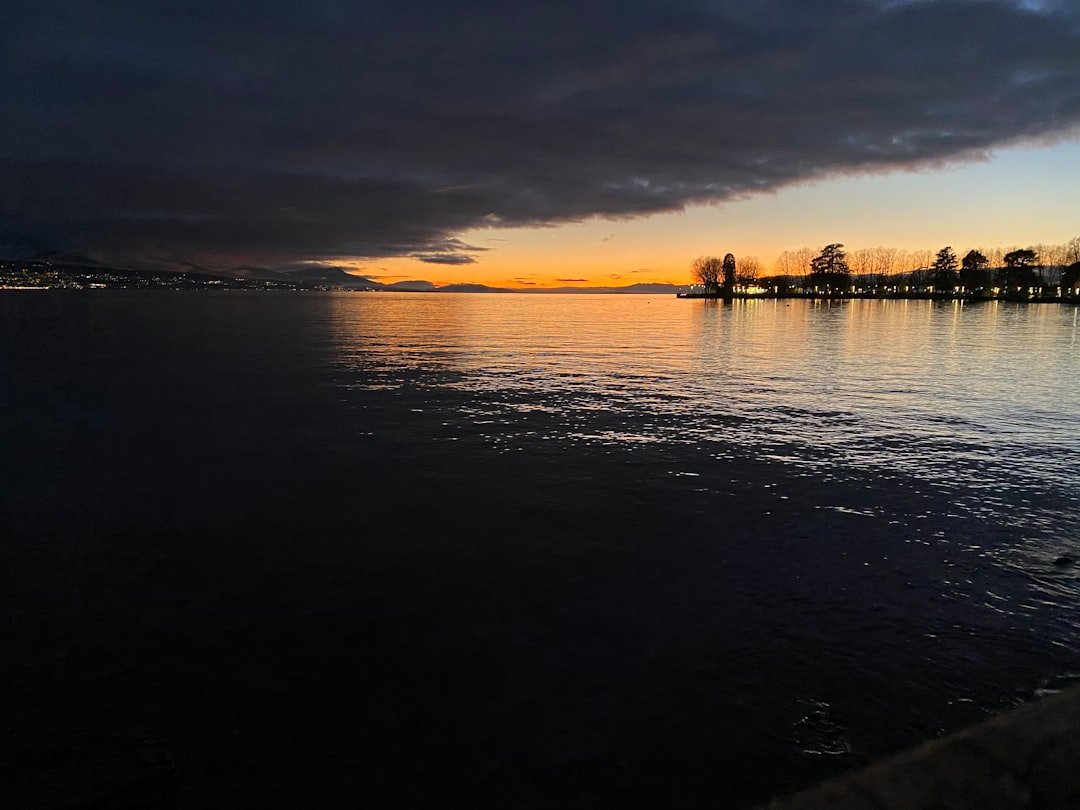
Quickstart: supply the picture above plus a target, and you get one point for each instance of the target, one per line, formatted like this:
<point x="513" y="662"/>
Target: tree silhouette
<point x="1071" y="251"/>
<point x="973" y="272"/>
<point x="729" y="272"/>
<point x="794" y="262"/>
<point x="1070" y="279"/>
<point x="831" y="260"/>
<point x="706" y="271"/>
<point x="1021" y="268"/>
<point x="830" y="269"/>
<point x="943" y="270"/>
<point x="747" y="270"/>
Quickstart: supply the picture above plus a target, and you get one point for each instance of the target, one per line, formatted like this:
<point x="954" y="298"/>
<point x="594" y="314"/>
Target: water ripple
<point x="978" y="402"/>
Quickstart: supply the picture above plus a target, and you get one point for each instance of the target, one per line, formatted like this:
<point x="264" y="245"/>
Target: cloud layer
<point x="276" y="132"/>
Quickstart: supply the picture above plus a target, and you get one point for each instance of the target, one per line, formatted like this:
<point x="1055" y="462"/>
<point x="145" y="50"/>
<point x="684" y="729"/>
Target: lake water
<point x="281" y="550"/>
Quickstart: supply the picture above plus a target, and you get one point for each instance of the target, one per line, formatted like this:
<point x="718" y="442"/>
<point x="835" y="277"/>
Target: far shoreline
<point x="966" y="297"/>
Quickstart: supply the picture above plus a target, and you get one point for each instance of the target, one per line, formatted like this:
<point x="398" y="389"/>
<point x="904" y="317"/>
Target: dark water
<point x="519" y="551"/>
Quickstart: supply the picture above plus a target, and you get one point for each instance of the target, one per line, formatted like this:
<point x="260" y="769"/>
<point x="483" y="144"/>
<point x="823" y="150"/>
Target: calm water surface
<point x="983" y="402"/>
<point x="525" y="550"/>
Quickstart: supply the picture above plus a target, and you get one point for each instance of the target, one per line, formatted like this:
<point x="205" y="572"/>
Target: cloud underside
<point x="198" y="133"/>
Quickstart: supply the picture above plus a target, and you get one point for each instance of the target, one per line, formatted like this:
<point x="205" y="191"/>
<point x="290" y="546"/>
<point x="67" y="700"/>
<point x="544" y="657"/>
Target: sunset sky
<point x="1010" y="197"/>
<point x="533" y="143"/>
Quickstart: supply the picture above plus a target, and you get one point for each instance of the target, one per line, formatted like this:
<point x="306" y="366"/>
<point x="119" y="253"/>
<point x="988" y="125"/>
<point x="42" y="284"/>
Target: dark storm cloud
<point x="443" y="258"/>
<point x="277" y="132"/>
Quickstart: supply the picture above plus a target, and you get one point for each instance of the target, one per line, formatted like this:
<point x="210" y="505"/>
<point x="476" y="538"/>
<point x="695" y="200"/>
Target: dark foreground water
<point x="319" y="550"/>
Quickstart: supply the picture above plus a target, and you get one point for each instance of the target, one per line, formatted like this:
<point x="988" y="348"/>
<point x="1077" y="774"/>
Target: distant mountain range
<point x="327" y="276"/>
<point x="336" y="277"/>
<point x="639" y="289"/>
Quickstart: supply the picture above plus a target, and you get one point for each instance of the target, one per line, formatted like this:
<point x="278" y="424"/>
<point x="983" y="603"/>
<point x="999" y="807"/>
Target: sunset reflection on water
<point x="574" y="536"/>
<point x="931" y="389"/>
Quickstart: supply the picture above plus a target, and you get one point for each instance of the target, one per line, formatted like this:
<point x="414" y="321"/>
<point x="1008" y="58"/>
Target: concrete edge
<point x="1025" y="758"/>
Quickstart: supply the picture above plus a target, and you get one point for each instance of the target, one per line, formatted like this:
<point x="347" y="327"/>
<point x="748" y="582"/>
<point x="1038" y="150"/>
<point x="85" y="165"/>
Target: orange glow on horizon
<point x="1017" y="198"/>
<point x="523" y="273"/>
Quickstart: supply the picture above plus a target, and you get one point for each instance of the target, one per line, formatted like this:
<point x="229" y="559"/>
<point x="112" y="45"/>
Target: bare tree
<point x="1051" y="255"/>
<point x="784" y="264"/>
<point x="994" y="261"/>
<point x="804" y="256"/>
<point x="922" y="258"/>
<point x="787" y="267"/>
<point x="919" y="262"/>
<point x="1053" y="261"/>
<point x="883" y="259"/>
<point x="793" y="264"/>
<point x="1072" y="251"/>
<point x="900" y="263"/>
<point x="873" y="264"/>
<point x="861" y="262"/>
<point x="747" y="270"/>
<point x="706" y="272"/>
<point x="797" y="262"/>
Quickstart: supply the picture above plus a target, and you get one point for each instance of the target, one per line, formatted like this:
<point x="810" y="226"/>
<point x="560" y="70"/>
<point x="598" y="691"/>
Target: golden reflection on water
<point x="980" y="400"/>
<point x="907" y="362"/>
<point x="913" y="356"/>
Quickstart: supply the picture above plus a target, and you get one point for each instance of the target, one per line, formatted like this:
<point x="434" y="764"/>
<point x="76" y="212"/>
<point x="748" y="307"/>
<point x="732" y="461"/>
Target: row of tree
<point x="879" y="266"/>
<point x="1020" y="269"/>
<point x="832" y="269"/>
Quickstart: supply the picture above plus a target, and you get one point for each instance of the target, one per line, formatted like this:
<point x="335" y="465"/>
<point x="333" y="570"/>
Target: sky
<point x="534" y="143"/>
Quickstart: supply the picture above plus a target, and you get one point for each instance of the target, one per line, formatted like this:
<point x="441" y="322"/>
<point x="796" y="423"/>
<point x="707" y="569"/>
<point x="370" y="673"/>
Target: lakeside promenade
<point x="1056" y="297"/>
